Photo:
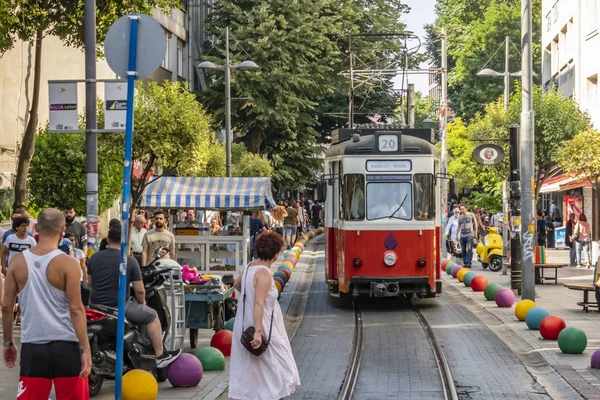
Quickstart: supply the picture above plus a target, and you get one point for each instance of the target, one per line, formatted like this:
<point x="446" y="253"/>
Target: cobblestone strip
<point x="536" y="365"/>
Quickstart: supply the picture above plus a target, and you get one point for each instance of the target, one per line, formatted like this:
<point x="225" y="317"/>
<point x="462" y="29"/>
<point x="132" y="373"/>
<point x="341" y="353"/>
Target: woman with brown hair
<point x="273" y="374"/>
<point x="278" y="215"/>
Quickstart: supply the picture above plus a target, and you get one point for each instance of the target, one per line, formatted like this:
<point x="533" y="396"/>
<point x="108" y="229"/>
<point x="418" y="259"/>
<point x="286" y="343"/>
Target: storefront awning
<point x="209" y="193"/>
<point x="563" y="182"/>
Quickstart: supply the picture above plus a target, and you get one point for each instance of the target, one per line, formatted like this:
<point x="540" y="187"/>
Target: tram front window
<point x="389" y="200"/>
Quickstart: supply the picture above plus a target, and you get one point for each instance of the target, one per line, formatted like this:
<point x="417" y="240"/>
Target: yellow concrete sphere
<point x="522" y="307"/>
<point x="296" y="251"/>
<point x="289" y="264"/>
<point x="278" y="286"/>
<point x="139" y="385"/>
<point x="460" y="275"/>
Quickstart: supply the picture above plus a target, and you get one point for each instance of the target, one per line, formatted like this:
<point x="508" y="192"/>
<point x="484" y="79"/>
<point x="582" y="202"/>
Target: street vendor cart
<point x="219" y="258"/>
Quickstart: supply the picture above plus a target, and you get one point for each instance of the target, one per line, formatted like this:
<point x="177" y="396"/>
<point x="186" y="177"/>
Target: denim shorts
<point x="289" y="230"/>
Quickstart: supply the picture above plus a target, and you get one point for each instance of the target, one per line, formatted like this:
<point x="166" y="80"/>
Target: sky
<point x="422" y="12"/>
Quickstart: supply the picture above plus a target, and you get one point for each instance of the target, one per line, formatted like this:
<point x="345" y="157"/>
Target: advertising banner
<point x="63" y="106"/>
<point x="573" y="204"/>
<point x="115" y="94"/>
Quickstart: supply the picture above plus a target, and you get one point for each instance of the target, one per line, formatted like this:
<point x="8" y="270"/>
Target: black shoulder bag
<point x="248" y="333"/>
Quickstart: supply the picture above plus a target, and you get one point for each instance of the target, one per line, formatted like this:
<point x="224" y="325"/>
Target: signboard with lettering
<point x="388" y="143"/>
<point x="488" y="154"/>
<point x="389" y="165"/>
<point x="115" y="94"/>
<point x="63" y="106"/>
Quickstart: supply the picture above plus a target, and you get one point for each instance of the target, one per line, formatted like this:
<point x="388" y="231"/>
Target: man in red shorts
<point x="54" y="343"/>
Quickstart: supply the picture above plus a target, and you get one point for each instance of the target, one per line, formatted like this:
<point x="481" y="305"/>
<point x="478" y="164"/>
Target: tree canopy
<point x="476" y="30"/>
<point x="580" y="156"/>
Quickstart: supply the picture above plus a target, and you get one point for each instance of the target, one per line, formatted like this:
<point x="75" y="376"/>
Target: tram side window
<point x="424" y="197"/>
<point x="354" y="197"/>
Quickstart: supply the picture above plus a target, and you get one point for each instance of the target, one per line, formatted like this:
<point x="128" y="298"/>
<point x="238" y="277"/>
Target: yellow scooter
<point x="489" y="250"/>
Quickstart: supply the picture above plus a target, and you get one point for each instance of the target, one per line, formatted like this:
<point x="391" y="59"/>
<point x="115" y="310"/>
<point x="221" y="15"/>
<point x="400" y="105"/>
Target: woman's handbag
<point x="248" y="333"/>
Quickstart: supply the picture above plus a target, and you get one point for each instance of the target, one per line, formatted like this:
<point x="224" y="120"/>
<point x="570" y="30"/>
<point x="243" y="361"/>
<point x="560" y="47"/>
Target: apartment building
<point x="571" y="56"/>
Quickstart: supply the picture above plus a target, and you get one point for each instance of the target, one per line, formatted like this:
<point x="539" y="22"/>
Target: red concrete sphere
<point x="445" y="263"/>
<point x="479" y="283"/>
<point x="222" y="341"/>
<point x="551" y="326"/>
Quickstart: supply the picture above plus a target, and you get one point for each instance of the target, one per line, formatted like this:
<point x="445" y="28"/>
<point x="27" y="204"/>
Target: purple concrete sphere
<point x="186" y="371"/>
<point x="505" y="298"/>
<point x="455" y="270"/>
<point x="596" y="359"/>
<point x="278" y="279"/>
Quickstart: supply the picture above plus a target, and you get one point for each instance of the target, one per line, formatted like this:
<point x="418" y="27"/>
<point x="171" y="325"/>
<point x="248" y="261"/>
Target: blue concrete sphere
<point x="468" y="278"/>
<point x="534" y="317"/>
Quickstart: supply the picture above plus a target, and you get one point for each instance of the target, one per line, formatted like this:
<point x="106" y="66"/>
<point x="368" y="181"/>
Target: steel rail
<point x="351" y="377"/>
<point x="440" y="357"/>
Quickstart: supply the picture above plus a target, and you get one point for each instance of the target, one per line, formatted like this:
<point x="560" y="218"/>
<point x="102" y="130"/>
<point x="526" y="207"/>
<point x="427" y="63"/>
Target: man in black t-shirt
<point x="76" y="228"/>
<point x="316" y="214"/>
<point x="103" y="276"/>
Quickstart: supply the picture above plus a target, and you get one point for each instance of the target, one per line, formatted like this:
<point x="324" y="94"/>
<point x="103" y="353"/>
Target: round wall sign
<point x="488" y="154"/>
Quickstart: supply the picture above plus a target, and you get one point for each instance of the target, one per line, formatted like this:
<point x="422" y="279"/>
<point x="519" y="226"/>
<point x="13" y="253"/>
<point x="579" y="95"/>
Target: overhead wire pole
<point x="527" y="155"/>
<point x="443" y="123"/>
<point x="227" y="107"/>
<point x="91" y="137"/>
<point x="505" y="184"/>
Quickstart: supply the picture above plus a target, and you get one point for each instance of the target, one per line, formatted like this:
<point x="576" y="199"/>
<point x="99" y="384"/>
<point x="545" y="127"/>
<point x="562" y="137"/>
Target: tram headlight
<point x="389" y="258"/>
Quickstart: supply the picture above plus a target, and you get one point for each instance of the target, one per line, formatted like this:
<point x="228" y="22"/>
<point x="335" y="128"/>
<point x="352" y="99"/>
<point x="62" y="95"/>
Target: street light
<point x="227" y="68"/>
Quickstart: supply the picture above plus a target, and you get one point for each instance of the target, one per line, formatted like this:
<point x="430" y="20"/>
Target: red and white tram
<point x="382" y="214"/>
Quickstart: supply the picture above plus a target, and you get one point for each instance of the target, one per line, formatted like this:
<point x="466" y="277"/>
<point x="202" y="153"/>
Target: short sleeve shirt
<point x="154" y="240"/>
<point x="466" y="225"/>
<point x="291" y="218"/>
<point x="103" y="267"/>
<point x="16" y="245"/>
<point x="77" y="229"/>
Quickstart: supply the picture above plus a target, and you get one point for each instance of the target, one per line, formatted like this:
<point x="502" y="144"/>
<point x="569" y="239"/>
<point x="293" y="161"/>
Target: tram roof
<point x="363" y="142"/>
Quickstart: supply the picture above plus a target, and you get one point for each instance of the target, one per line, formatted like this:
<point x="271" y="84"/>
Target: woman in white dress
<point x="273" y="375"/>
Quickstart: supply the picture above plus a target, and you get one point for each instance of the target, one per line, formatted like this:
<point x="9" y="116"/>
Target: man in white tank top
<point x="54" y="344"/>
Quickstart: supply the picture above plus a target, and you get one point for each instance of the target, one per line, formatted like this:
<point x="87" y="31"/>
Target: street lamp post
<point x="227" y="68"/>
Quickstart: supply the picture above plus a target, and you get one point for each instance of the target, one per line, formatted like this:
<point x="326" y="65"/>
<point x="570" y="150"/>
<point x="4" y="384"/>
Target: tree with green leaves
<point x="172" y="135"/>
<point x="34" y="20"/>
<point x="58" y="172"/>
<point x="476" y="30"/>
<point x="580" y="157"/>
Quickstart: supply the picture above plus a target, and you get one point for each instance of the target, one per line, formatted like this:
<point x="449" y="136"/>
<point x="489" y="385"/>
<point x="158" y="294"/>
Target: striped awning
<point x="209" y="193"/>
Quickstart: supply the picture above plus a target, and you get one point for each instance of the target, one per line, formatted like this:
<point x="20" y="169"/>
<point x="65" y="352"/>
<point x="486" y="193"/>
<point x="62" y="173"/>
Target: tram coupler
<point x="385" y="289"/>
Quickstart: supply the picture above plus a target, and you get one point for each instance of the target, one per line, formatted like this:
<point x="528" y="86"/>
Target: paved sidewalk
<point x="560" y="301"/>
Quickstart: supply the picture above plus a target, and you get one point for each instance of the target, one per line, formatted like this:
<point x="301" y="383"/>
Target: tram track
<point x="349" y="384"/>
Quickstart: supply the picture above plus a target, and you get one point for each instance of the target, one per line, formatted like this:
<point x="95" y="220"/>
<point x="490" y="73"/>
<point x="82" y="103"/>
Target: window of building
<point x="548" y="22"/>
<point x="424" y="197"/>
<point x="591" y="20"/>
<point x="389" y="200"/>
<point x="179" y="57"/>
<point x="354" y="197"/>
<point x="165" y="64"/>
<point x="555" y="12"/>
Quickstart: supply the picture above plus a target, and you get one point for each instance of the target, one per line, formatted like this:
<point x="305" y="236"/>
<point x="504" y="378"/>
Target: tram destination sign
<point x="389" y="165"/>
<point x="488" y="154"/>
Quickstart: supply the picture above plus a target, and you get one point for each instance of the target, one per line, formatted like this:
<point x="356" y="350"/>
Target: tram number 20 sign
<point x="388" y="143"/>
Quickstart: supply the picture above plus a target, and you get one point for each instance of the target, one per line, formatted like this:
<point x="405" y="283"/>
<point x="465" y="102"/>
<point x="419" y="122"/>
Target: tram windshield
<point x="389" y="200"/>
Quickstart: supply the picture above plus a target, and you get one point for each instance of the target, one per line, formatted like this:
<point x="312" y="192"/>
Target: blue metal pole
<point x="131" y="75"/>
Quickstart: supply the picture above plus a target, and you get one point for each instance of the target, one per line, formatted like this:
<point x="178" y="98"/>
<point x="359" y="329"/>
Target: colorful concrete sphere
<point x="551" y="326"/>
<point x="186" y="371"/>
<point x="222" y="340"/>
<point x="280" y="274"/>
<point x="596" y="359"/>
<point x="572" y="340"/>
<point x="211" y="358"/>
<point x="286" y="272"/>
<point x="469" y="278"/>
<point x="445" y="263"/>
<point x="278" y="285"/>
<point x="522" y="307"/>
<point x="449" y="267"/>
<point x="229" y="324"/>
<point x="504" y="298"/>
<point x="460" y="275"/>
<point x="289" y="264"/>
<point x="286" y="267"/>
<point x="139" y="385"/>
<point x="479" y="283"/>
<point x="280" y="281"/>
<point x="455" y="270"/>
<point x="534" y="317"/>
<point x="490" y="291"/>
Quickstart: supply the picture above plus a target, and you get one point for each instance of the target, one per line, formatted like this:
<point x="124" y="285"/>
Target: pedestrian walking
<point x="316" y="212"/>
<point x="278" y="215"/>
<point x="273" y="374"/>
<point x="32" y="222"/>
<point x="290" y="225"/>
<point x="137" y="237"/>
<point x="541" y="228"/>
<point x="157" y="239"/>
<point x="450" y="233"/>
<point x="581" y="234"/>
<point x="466" y="234"/>
<point x="17" y="242"/>
<point x="570" y="240"/>
<point x="54" y="343"/>
<point x="550" y="231"/>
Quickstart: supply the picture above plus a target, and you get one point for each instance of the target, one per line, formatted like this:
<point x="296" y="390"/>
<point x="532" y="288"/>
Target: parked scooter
<point x="138" y="351"/>
<point x="489" y="250"/>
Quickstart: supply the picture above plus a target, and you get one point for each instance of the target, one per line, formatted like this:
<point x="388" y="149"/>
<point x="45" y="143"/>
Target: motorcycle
<point x="138" y="350"/>
<point x="489" y="250"/>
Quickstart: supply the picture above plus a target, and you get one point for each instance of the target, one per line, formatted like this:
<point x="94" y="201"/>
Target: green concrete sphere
<point x="490" y="291"/>
<point x="572" y="340"/>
